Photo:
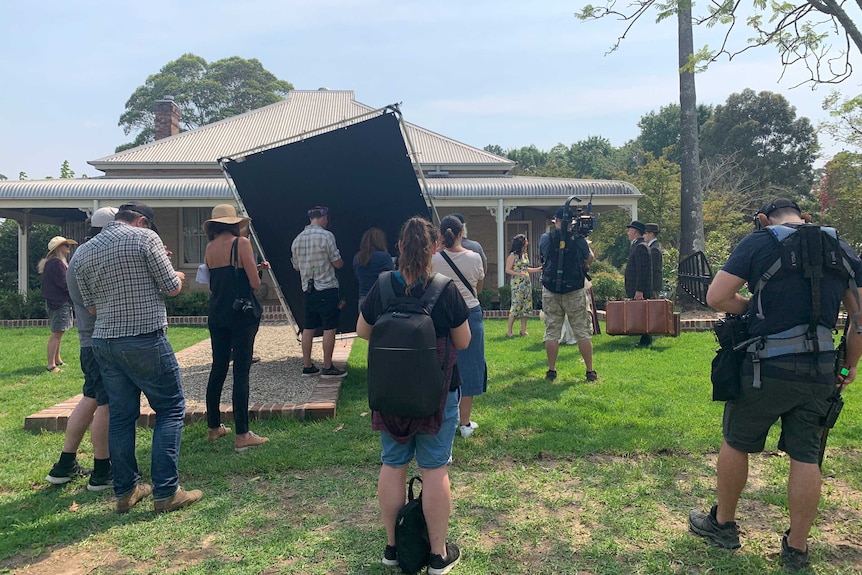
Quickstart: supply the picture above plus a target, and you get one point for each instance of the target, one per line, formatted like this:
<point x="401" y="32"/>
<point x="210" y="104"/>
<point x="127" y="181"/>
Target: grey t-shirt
<point x="84" y="320"/>
<point x="474" y="246"/>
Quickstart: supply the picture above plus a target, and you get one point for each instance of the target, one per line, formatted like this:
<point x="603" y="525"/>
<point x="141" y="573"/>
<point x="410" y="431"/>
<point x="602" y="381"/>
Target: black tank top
<point x="225" y="288"/>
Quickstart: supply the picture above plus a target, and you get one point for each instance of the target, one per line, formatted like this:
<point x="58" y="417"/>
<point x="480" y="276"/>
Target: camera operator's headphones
<point x="761" y="217"/>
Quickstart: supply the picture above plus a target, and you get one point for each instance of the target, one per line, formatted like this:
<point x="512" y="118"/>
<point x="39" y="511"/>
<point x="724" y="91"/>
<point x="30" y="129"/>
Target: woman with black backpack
<point x="429" y="439"/>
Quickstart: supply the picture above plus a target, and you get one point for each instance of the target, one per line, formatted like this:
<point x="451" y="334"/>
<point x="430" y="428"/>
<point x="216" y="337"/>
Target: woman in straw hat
<point x="56" y="294"/>
<point x="234" y="318"/>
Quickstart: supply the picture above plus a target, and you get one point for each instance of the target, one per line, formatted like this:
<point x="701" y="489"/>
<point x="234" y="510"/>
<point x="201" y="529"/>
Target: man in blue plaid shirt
<point x="316" y="257"/>
<point x="123" y="275"/>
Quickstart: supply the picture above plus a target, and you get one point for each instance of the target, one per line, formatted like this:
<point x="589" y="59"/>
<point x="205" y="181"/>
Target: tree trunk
<point x="691" y="237"/>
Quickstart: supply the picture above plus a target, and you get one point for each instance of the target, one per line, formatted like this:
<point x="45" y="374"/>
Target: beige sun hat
<point x="58" y="241"/>
<point x="226" y="214"/>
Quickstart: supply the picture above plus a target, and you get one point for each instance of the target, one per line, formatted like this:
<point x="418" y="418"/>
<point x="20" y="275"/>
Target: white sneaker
<point x="466" y="430"/>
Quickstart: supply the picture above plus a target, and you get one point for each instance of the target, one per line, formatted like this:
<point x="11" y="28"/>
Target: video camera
<point x="579" y="221"/>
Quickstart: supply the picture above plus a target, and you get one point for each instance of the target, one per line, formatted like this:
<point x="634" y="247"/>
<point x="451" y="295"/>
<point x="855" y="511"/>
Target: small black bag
<point x="411" y="533"/>
<point x="726" y="375"/>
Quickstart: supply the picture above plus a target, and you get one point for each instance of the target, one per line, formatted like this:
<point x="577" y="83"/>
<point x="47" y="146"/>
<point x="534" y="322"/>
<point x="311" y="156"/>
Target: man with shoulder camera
<point x="565" y="255"/>
<point x="790" y="370"/>
<point x="316" y="257"/>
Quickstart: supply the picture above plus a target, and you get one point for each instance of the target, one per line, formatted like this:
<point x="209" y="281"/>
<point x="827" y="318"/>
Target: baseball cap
<point x="317" y="212"/>
<point x="142" y="209"/>
<point x="102" y="217"/>
<point x="778" y="204"/>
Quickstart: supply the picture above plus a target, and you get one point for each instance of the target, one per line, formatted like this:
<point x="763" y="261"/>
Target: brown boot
<point x="243" y="442"/>
<point x="178" y="500"/>
<point x="130" y="499"/>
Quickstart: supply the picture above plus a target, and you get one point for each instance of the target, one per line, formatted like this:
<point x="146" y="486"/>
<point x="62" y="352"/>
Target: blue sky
<point x="512" y="73"/>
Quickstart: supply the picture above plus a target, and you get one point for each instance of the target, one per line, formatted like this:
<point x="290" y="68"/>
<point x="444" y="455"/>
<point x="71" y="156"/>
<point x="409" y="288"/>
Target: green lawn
<point x="563" y="477"/>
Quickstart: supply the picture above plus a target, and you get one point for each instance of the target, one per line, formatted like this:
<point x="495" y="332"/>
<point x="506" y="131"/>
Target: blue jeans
<point x="131" y="365"/>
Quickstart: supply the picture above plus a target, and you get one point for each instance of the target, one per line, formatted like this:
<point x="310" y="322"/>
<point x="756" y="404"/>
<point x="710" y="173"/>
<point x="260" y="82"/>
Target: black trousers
<point x="236" y="341"/>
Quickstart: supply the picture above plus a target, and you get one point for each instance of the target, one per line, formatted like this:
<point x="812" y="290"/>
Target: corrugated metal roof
<point x="175" y="191"/>
<point x="303" y="111"/>
<point x="524" y="186"/>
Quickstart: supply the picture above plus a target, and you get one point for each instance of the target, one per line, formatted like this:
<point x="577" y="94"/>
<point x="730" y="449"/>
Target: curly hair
<point x="518" y="243"/>
<point x="418" y="242"/>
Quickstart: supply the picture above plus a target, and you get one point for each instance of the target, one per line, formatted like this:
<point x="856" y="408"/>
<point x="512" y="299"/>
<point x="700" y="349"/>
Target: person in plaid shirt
<point x="316" y="257"/>
<point x="124" y="274"/>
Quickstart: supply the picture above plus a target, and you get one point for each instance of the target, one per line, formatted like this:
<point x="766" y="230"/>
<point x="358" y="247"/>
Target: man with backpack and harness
<point x="798" y="274"/>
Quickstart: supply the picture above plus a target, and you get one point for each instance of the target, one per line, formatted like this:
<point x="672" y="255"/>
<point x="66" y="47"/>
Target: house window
<point x="194" y="237"/>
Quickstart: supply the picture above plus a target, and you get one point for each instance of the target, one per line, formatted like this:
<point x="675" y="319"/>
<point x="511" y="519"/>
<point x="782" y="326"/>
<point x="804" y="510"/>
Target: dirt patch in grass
<point x="536" y="515"/>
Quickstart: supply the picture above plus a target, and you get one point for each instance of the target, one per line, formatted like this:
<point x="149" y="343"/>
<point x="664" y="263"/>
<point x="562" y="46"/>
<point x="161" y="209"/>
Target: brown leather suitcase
<point x="638" y="317"/>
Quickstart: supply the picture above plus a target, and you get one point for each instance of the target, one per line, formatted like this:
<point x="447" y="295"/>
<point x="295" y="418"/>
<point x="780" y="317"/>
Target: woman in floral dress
<point x="518" y="266"/>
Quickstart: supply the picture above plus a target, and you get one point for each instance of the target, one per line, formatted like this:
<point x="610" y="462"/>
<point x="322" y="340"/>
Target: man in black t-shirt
<point x="563" y="293"/>
<point x="792" y="387"/>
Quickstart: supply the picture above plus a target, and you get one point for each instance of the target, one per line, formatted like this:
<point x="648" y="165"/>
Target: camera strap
<point x="234" y="262"/>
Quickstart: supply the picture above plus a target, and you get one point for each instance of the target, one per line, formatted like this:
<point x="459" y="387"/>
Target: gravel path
<point x="274" y="379"/>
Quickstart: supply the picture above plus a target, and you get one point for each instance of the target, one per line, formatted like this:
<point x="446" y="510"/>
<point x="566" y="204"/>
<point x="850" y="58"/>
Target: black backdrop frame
<point x="359" y="168"/>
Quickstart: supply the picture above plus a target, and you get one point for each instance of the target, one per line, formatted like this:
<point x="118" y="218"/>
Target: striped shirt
<point x="124" y="273"/>
<point x="313" y="251"/>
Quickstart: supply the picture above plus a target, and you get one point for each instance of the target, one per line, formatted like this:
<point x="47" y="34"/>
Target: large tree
<point x="817" y="34"/>
<point x="659" y="131"/>
<point x="773" y="147"/>
<point x="205" y="92"/>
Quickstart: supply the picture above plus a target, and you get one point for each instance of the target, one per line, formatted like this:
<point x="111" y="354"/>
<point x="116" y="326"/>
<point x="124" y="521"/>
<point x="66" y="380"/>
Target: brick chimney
<point x="167" y="117"/>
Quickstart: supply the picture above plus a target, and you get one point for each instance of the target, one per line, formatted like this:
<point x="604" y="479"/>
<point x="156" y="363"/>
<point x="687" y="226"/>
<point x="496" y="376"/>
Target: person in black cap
<point x="656" y="257"/>
<point x="565" y="258"/>
<point x="123" y="276"/>
<point x="638" y="279"/>
<point x="793" y="385"/>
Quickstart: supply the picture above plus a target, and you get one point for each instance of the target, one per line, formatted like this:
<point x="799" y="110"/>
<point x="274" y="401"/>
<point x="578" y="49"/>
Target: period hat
<point x="637" y="225"/>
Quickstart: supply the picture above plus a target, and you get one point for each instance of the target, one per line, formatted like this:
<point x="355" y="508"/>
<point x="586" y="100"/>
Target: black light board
<point x="361" y="172"/>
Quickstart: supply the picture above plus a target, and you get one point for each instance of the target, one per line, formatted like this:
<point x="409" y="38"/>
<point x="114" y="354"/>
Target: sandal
<point x="215" y="433"/>
<point x="54" y="369"/>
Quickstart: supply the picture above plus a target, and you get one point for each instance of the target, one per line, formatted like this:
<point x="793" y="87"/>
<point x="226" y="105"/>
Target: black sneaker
<point x="390" y="556"/>
<point x="100" y="482"/>
<point x="592" y="376"/>
<point x="705" y="525"/>
<point x="332" y="373"/>
<point x="792" y="559"/>
<point x="439" y="566"/>
<point x="64" y="474"/>
<point x="551" y="375"/>
<point x="309" y="371"/>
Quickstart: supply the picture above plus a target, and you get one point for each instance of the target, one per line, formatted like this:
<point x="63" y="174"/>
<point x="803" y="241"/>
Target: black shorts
<point x="93" y="386"/>
<point x="321" y="309"/>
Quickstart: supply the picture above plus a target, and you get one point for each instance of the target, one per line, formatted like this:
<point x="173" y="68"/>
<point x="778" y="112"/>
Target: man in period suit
<point x="656" y="257"/>
<point x="638" y="279"/>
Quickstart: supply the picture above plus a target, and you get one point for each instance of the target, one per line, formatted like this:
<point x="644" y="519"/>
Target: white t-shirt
<point x="470" y="265"/>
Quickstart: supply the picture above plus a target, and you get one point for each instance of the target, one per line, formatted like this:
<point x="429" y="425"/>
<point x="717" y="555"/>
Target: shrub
<point x="14" y="305"/>
<point x="602" y="266"/>
<point x="608" y="286"/>
<point x="188" y="303"/>
<point x="486" y="296"/>
<point x="505" y="297"/>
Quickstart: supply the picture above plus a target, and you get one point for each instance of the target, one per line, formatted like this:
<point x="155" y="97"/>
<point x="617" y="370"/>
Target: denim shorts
<point x="93" y="386"/>
<point x="60" y="319"/>
<point x="431" y="451"/>
<point x="800" y="405"/>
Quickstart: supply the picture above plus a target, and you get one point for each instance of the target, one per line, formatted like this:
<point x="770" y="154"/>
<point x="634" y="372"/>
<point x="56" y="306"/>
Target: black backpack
<point x="411" y="533"/>
<point x="405" y="377"/>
